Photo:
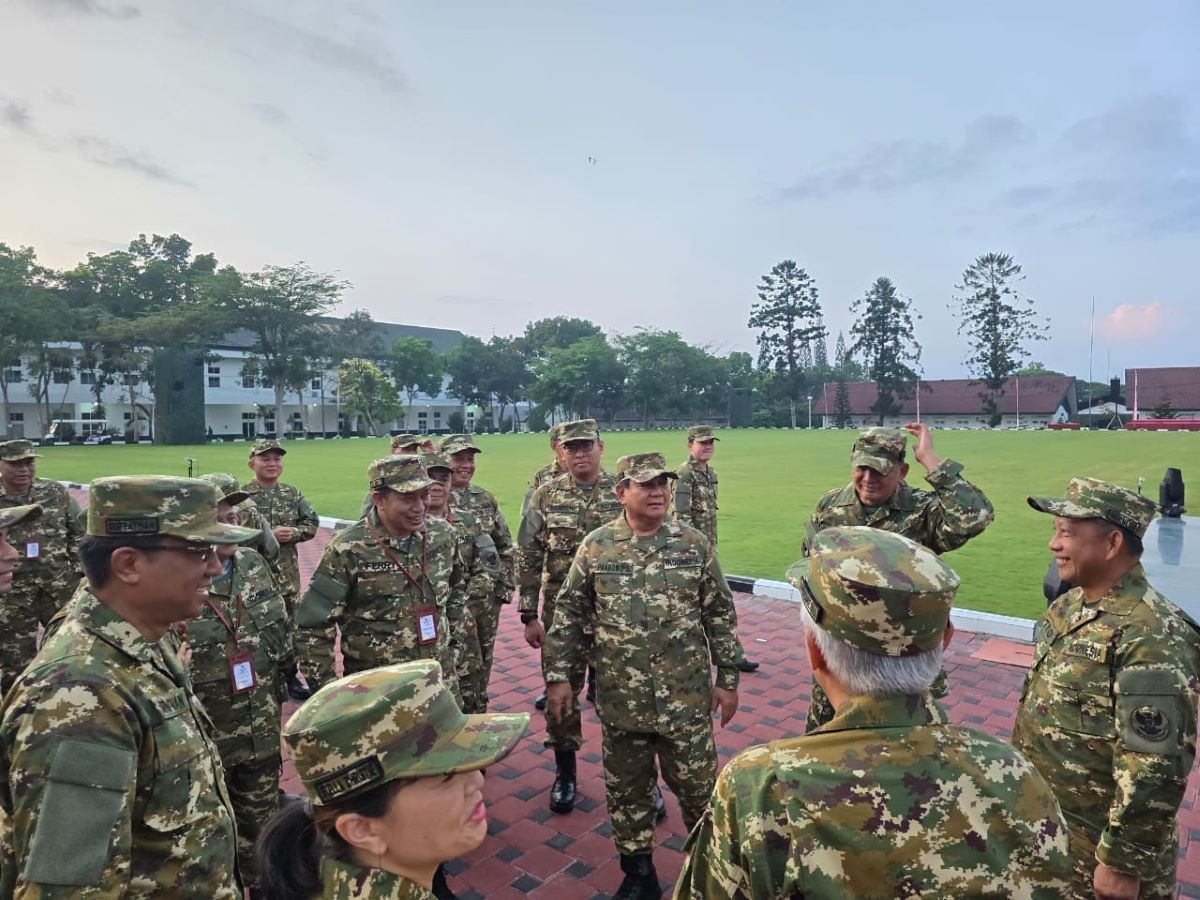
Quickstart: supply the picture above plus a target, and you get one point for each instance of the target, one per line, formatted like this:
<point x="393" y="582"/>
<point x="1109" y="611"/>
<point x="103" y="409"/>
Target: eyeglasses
<point x="204" y="552"/>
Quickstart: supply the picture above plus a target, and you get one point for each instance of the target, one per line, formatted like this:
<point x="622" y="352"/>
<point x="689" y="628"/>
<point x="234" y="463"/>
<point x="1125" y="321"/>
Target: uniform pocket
<point x="178" y="747"/>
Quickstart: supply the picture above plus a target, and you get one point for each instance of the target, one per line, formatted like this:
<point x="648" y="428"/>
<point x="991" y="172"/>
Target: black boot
<point x="660" y="805"/>
<point x="540" y="702"/>
<point x="297" y="689"/>
<point x="562" y="794"/>
<point x="744" y="665"/>
<point x="641" y="881"/>
<point x="441" y="889"/>
<point x="591" y="685"/>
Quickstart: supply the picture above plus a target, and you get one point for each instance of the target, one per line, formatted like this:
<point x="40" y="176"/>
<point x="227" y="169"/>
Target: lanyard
<point x="418" y="586"/>
<point x="232" y="629"/>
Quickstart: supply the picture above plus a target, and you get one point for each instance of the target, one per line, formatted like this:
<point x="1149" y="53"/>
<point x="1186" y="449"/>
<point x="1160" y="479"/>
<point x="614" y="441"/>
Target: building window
<point x="16" y="417"/>
<point x="437" y="416"/>
<point x="11" y="375"/>
<point x="62" y="376"/>
<point x="422" y="416"/>
<point x="214" y="380"/>
<point x="128" y="417"/>
<point x="88" y="377"/>
<point x="214" y="369"/>
<point x="315" y="384"/>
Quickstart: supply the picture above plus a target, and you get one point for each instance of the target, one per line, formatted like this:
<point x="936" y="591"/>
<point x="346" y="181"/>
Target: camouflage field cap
<point x="1091" y="498"/>
<point x="436" y="459"/>
<point x="11" y="451"/>
<point x="403" y="472"/>
<point x="15" y="515"/>
<point x="642" y="467"/>
<point x="264" y="445"/>
<point x="456" y="443"/>
<point x="400" y="441"/>
<point x="876" y="590"/>
<point x="702" y="433"/>
<point x="879" y="448"/>
<point x="556" y="433"/>
<point x="399" y="721"/>
<point x="579" y="430"/>
<point x="231" y="490"/>
<point x="140" y="505"/>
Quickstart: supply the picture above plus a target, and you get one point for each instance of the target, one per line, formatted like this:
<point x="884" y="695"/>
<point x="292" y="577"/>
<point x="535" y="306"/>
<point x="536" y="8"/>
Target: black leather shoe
<point x="744" y="665"/>
<point x="641" y="881"/>
<point x="562" y="793"/>
<point x="297" y="689"/>
<point x="540" y="702"/>
<point x="660" y="805"/>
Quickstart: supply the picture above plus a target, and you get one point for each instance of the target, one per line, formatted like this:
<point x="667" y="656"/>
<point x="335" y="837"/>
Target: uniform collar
<point x="103" y="621"/>
<point x="342" y="879"/>
<point x="670" y="528"/>
<point x="889" y="711"/>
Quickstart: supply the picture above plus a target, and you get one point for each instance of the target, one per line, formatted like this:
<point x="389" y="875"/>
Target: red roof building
<point x="1177" y="385"/>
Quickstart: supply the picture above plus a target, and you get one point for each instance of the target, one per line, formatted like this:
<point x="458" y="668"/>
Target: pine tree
<point x="884" y="335"/>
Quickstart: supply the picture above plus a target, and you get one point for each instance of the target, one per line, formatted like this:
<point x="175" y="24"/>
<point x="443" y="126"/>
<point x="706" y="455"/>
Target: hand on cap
<point x="725" y="700"/>
<point x="923" y="448"/>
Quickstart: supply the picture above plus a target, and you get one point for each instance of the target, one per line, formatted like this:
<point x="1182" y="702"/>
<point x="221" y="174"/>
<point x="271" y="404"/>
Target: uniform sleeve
<point x="815" y="524"/>
<point x="959" y="510"/>
<point x="719" y="618"/>
<point x="71" y="781"/>
<point x="682" y="502"/>
<point x="531" y="553"/>
<point x="266" y="543"/>
<point x="319" y="614"/>
<point x="502" y="538"/>
<point x="75" y="525"/>
<point x="307" y="521"/>
<point x="1156" y="695"/>
<point x="457" y="619"/>
<point x="568" y="638"/>
<point x="482" y="564"/>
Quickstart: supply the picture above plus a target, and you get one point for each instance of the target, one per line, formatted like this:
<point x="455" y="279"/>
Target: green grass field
<point x="770" y="481"/>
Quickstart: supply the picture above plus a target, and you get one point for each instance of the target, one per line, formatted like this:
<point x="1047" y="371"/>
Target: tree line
<point x="120" y="307"/>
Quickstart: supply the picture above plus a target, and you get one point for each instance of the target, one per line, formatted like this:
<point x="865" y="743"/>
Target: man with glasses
<point x="109" y="779"/>
<point x="47" y="572"/>
<point x="559" y="515"/>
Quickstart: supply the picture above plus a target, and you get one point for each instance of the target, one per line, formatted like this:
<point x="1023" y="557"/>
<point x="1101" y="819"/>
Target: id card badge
<point x="33" y="549"/>
<point x="241" y="671"/>
<point x="427" y="617"/>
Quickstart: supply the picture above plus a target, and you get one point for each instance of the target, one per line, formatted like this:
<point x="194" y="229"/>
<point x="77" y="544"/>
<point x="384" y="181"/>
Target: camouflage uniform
<point x="365" y="730"/>
<point x="47" y="572"/>
<point x="247" y="722"/>
<point x="1108" y="710"/>
<point x="560" y="515"/>
<point x="942" y="519"/>
<point x="887" y="799"/>
<point x="110" y="784"/>
<point x="659" y="610"/>
<point x="695" y="501"/>
<point x="546" y="473"/>
<point x="480" y="501"/>
<point x="359" y="589"/>
<point x="284" y="505"/>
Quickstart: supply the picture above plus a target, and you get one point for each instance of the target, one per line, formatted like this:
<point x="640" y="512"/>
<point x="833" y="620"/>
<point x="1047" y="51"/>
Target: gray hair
<point x="867" y="673"/>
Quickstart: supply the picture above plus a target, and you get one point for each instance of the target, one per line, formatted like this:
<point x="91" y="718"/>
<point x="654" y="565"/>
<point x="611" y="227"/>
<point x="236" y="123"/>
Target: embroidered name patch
<point x="131" y="525"/>
<point x="686" y="561"/>
<point x="369" y="567"/>
<point x="610" y="568"/>
<point x="1097" y="653"/>
<point x="352" y="778"/>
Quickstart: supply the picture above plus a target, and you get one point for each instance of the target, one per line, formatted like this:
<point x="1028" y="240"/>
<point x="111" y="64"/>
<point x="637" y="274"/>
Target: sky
<point x="477" y="165"/>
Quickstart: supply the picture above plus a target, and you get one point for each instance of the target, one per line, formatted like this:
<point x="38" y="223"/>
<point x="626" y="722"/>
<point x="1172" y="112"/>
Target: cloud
<point x="106" y="153"/>
<point x="16" y="116"/>
<point x="270" y="113"/>
<point x="898" y="164"/>
<point x="1133" y="322"/>
<point x="88" y="8"/>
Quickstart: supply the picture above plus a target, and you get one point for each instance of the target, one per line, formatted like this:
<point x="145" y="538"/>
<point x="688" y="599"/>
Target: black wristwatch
<point x="527" y="617"/>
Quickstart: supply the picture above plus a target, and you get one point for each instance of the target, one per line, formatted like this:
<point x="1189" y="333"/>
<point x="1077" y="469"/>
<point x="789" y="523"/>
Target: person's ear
<point x="903" y="470"/>
<point x="125" y="564"/>
<point x="816" y="659"/>
<point x="360" y="832"/>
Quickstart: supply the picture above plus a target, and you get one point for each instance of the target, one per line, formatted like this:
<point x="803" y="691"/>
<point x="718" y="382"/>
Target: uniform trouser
<point x="1158" y="882"/>
<point x="254" y="791"/>
<point x="22" y="610"/>
<point x="567" y="732"/>
<point x="475" y="664"/>
<point x="688" y="758"/>
<point x="820" y="710"/>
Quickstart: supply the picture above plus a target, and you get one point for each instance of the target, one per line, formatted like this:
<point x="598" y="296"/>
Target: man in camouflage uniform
<point x="292" y="521"/>
<point x="47" y="572"/>
<point x="110" y="784"/>
<point x="551" y="470"/>
<point x="1108" y="711"/>
<point x="244" y="632"/>
<point x="481" y="566"/>
<point x="401" y="443"/>
<point x="887" y="799"/>
<point x="392" y="583"/>
<point x="560" y="514"/>
<point x="696" y="494"/>
<point x="942" y="519"/>
<point x="465" y="494"/>
<point x="647" y="593"/>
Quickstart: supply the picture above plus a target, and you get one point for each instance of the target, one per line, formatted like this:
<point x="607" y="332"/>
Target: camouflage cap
<point x="556" y="433"/>
<point x="579" y="430"/>
<point x="400" y="441"/>
<point x="876" y="590"/>
<point x="15" y="515"/>
<point x="10" y="451"/>
<point x="702" y="433"/>
<point x="140" y="505"/>
<point x="398" y="721"/>
<point x="641" y="467"/>
<point x="265" y="445"/>
<point x="1091" y="498"/>
<point x="456" y="443"/>
<point x="436" y="459"/>
<point x="231" y="490"/>
<point x="879" y="448"/>
<point x="403" y="472"/>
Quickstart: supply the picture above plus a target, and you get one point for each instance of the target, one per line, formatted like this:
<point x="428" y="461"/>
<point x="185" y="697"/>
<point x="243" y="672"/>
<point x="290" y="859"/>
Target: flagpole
<point x="1091" y="345"/>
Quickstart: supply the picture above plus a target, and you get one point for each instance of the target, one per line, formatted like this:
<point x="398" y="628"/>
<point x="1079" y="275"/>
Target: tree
<point x="998" y="323"/>
<point x="883" y="334"/>
<point x="669" y="376"/>
<point x="1035" y="369"/>
<point x="559" y="332"/>
<point x="417" y="369"/>
<point x="282" y="306"/>
<point x="842" y="413"/>
<point x="1164" y="409"/>
<point x="366" y="391"/>
<point x="845" y="366"/>
<point x="788" y="315"/>
<point x="506" y="373"/>
<point x="357" y="335"/>
<point x="34" y="317"/>
<point x="580" y="380"/>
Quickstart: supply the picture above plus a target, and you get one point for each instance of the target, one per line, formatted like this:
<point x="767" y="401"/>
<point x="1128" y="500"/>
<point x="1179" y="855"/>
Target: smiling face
<point x="401" y="513"/>
<point x="702" y="451"/>
<point x="267" y="467"/>
<point x="1084" y="550"/>
<point x="873" y="488"/>
<point x="464" y="468"/>
<point x="18" y="474"/>
<point x="439" y="491"/>
<point x="176" y="580"/>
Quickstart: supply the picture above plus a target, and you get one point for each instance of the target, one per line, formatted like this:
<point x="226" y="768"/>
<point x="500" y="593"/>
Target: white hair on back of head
<point x="861" y="672"/>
